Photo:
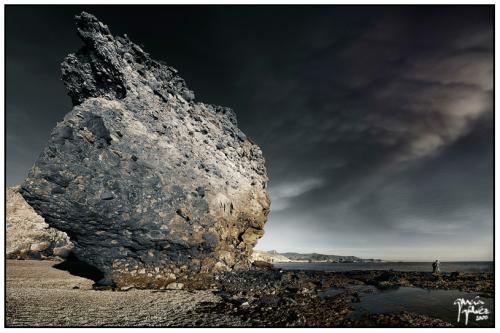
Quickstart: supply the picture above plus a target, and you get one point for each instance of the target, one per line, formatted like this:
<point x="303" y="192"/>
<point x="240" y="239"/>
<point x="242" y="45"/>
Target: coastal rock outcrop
<point x="28" y="236"/>
<point x="151" y="187"/>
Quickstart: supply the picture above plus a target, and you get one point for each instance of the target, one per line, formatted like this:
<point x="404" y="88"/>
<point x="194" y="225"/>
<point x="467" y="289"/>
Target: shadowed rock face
<point x="151" y="186"/>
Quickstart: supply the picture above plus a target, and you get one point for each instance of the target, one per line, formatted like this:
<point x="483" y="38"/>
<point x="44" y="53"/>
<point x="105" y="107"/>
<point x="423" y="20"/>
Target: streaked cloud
<point x="282" y="194"/>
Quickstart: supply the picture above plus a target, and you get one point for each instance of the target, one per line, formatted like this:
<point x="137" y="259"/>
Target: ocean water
<point x="472" y="266"/>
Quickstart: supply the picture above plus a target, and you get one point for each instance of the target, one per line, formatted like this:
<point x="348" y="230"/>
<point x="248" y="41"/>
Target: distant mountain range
<point x="274" y="256"/>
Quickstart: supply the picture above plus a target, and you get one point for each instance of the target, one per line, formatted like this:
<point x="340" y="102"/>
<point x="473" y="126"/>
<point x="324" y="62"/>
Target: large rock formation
<point x="151" y="186"/>
<point x="28" y="236"/>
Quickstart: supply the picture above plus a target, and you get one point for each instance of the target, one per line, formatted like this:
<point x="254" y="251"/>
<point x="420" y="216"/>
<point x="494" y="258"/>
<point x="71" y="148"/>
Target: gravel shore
<point x="40" y="295"/>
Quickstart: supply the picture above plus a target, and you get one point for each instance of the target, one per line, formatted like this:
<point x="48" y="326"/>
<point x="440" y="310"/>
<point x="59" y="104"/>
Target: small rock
<point x="201" y="191"/>
<point x="107" y="195"/>
<point x="62" y="251"/>
<point x="126" y="288"/>
<point x="241" y="135"/>
<point x="175" y="286"/>
<point x="39" y="247"/>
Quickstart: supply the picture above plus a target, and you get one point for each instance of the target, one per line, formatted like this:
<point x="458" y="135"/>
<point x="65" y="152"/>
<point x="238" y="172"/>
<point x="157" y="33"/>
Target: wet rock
<point x="137" y="201"/>
<point x="28" y="236"/>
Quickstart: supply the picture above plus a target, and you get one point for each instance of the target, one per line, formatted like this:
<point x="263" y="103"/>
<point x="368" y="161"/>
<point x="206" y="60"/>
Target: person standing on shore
<point x="435" y="266"/>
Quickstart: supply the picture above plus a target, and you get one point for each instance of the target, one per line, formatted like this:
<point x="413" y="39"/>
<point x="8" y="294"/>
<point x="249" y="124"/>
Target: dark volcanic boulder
<point x="150" y="186"/>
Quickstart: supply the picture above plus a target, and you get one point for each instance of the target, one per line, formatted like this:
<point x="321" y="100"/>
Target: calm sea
<point x="471" y="266"/>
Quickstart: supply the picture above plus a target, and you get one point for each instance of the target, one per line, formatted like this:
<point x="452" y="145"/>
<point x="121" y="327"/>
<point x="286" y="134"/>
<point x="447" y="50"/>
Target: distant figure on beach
<point x="435" y="266"/>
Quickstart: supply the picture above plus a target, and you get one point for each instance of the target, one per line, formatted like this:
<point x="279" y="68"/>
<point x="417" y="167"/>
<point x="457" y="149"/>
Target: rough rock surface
<point x="151" y="187"/>
<point x="28" y="236"/>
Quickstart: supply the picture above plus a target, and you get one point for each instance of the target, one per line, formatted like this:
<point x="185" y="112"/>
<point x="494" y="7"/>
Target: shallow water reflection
<point x="433" y="303"/>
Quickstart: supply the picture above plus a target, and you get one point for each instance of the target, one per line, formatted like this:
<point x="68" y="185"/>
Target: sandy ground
<point x="40" y="295"/>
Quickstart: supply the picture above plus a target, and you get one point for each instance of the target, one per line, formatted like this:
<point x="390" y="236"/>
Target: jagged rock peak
<point x="113" y="67"/>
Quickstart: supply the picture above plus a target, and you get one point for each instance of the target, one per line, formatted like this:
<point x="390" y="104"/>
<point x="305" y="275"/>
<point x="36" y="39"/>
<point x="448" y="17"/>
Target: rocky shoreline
<point x="292" y="298"/>
<point x="40" y="295"/>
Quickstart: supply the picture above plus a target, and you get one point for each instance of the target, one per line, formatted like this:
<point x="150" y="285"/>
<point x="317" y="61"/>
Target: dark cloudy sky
<point x="376" y="121"/>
